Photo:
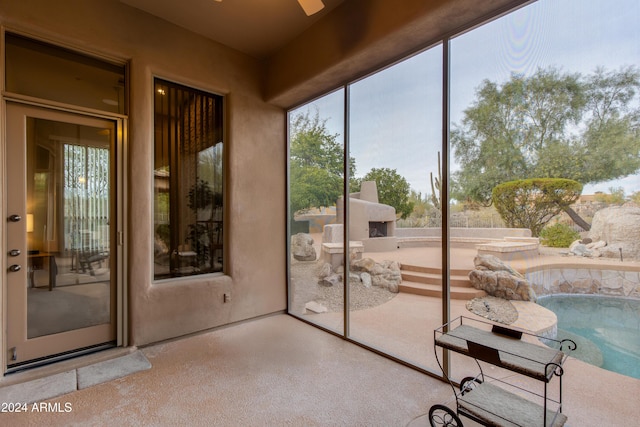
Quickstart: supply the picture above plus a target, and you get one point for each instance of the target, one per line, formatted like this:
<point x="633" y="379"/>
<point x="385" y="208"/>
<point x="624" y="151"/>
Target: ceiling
<point x="258" y="28"/>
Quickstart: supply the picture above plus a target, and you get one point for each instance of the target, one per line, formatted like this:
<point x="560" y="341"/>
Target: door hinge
<point x="120" y="238"/>
<point x="14" y="353"/>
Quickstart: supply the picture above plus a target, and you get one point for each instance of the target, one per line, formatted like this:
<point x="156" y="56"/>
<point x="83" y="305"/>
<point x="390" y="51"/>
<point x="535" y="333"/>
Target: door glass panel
<point x="68" y="214"/>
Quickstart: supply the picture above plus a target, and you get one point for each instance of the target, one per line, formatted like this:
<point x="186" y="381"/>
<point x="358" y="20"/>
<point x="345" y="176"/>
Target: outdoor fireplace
<point x="370" y="222"/>
<point x="377" y="229"/>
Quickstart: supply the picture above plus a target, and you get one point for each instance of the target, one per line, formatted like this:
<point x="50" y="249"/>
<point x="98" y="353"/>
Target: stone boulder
<point x="619" y="227"/>
<point x="302" y="247"/>
<point x="386" y="275"/>
<point x="587" y="248"/>
<point x="498" y="279"/>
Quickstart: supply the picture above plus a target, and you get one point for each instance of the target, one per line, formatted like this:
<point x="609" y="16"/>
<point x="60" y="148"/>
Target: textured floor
<point x="278" y="371"/>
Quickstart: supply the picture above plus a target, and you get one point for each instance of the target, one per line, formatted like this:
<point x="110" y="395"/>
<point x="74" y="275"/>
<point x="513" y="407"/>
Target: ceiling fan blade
<point x="311" y="6"/>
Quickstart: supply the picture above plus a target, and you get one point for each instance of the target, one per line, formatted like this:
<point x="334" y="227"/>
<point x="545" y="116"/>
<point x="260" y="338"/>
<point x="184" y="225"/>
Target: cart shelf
<point x="529" y="359"/>
<point x="497" y="406"/>
<point x="488" y="403"/>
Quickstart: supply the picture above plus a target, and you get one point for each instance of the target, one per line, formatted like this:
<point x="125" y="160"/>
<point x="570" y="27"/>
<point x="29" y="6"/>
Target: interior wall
<point x="255" y="169"/>
<point x="361" y="36"/>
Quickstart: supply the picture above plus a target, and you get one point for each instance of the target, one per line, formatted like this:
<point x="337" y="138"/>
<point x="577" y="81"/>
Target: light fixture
<point x="311" y="6"/>
<point x="29" y="223"/>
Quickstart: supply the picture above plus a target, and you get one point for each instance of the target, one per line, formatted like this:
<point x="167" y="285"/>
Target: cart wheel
<point x="468" y="384"/>
<point x="440" y="415"/>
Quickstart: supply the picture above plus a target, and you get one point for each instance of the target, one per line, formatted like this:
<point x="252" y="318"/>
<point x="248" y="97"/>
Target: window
<point x="188" y="181"/>
<point x="45" y="71"/>
<point x="521" y="97"/>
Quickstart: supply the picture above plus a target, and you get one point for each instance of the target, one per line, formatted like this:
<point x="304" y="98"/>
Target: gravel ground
<point x="304" y="277"/>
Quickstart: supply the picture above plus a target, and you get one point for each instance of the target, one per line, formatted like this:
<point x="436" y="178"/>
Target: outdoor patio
<point x="277" y="370"/>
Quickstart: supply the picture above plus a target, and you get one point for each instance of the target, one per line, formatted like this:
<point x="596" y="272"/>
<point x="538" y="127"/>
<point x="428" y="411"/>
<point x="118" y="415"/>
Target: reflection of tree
<point x="86" y="194"/>
<point x="549" y="124"/>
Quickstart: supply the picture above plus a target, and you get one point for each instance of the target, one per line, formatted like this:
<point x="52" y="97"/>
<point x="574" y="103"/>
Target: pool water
<point x="608" y="325"/>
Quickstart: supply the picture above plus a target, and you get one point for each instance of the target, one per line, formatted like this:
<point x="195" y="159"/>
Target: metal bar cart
<point x="494" y="402"/>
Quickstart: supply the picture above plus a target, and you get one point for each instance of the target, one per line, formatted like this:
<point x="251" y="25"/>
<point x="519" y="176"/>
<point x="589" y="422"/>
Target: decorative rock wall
<point x="592" y="280"/>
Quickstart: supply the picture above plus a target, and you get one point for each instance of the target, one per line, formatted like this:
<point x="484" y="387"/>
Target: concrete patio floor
<point x="280" y="371"/>
<point x="277" y="370"/>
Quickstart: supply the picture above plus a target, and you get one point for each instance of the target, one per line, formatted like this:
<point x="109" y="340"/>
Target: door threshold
<point x="63" y="365"/>
<point x="76" y="378"/>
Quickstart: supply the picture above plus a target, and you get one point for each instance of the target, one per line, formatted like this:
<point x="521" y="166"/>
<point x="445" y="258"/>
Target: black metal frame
<point x="480" y="352"/>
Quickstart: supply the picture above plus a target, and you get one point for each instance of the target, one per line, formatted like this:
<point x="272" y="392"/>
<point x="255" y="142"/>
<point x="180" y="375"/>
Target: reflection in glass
<point x="188" y="182"/>
<point x="45" y="71"/>
<point x="68" y="212"/>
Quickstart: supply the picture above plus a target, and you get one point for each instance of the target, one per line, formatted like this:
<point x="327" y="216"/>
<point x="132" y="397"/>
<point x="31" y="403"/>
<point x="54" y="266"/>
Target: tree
<point x="532" y="203"/>
<point x="548" y="125"/>
<point x="393" y="189"/>
<point x="316" y="163"/>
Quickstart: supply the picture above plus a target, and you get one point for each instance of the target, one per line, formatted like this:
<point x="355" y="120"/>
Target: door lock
<point x="15" y="218"/>
<point x="14" y="252"/>
<point x="15" y="267"/>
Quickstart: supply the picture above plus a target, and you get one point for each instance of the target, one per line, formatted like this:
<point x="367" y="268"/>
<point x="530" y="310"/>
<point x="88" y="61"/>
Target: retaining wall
<point x="622" y="281"/>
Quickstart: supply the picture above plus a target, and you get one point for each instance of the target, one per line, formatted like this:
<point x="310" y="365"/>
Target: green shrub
<point x="558" y="236"/>
<point x="532" y="203"/>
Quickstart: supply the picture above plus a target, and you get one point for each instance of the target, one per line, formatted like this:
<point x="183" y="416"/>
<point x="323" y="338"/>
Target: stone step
<point x="435" y="278"/>
<point x="430" y="290"/>
<point x="433" y="270"/>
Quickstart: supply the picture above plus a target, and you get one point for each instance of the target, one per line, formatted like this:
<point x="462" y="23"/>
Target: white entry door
<point x="60" y="251"/>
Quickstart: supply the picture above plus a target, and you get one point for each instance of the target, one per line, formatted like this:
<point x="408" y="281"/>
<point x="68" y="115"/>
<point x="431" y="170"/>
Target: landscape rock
<point x="385" y="274"/>
<point x="366" y="280"/>
<point x="364" y="264"/>
<point x="354" y="278"/>
<point x="493" y="263"/>
<point x="500" y="280"/>
<point x="331" y="280"/>
<point x="579" y="250"/>
<point x="325" y="270"/>
<point x="315" y="307"/>
<point x="302" y="247"/>
<point x="619" y="227"/>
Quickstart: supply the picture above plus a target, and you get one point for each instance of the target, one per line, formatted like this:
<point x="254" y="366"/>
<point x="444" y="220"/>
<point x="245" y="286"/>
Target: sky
<point x="395" y="114"/>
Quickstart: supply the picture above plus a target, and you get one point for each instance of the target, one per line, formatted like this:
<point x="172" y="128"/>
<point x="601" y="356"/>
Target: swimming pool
<point x="606" y="329"/>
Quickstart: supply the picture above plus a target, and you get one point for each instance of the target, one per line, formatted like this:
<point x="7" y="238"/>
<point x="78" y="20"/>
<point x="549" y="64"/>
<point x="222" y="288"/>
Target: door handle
<point x="14" y="252"/>
<point x="15" y="218"/>
<point x="15" y="267"/>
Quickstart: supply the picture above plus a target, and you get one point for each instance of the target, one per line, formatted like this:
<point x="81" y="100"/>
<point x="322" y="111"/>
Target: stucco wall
<point x="254" y="143"/>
